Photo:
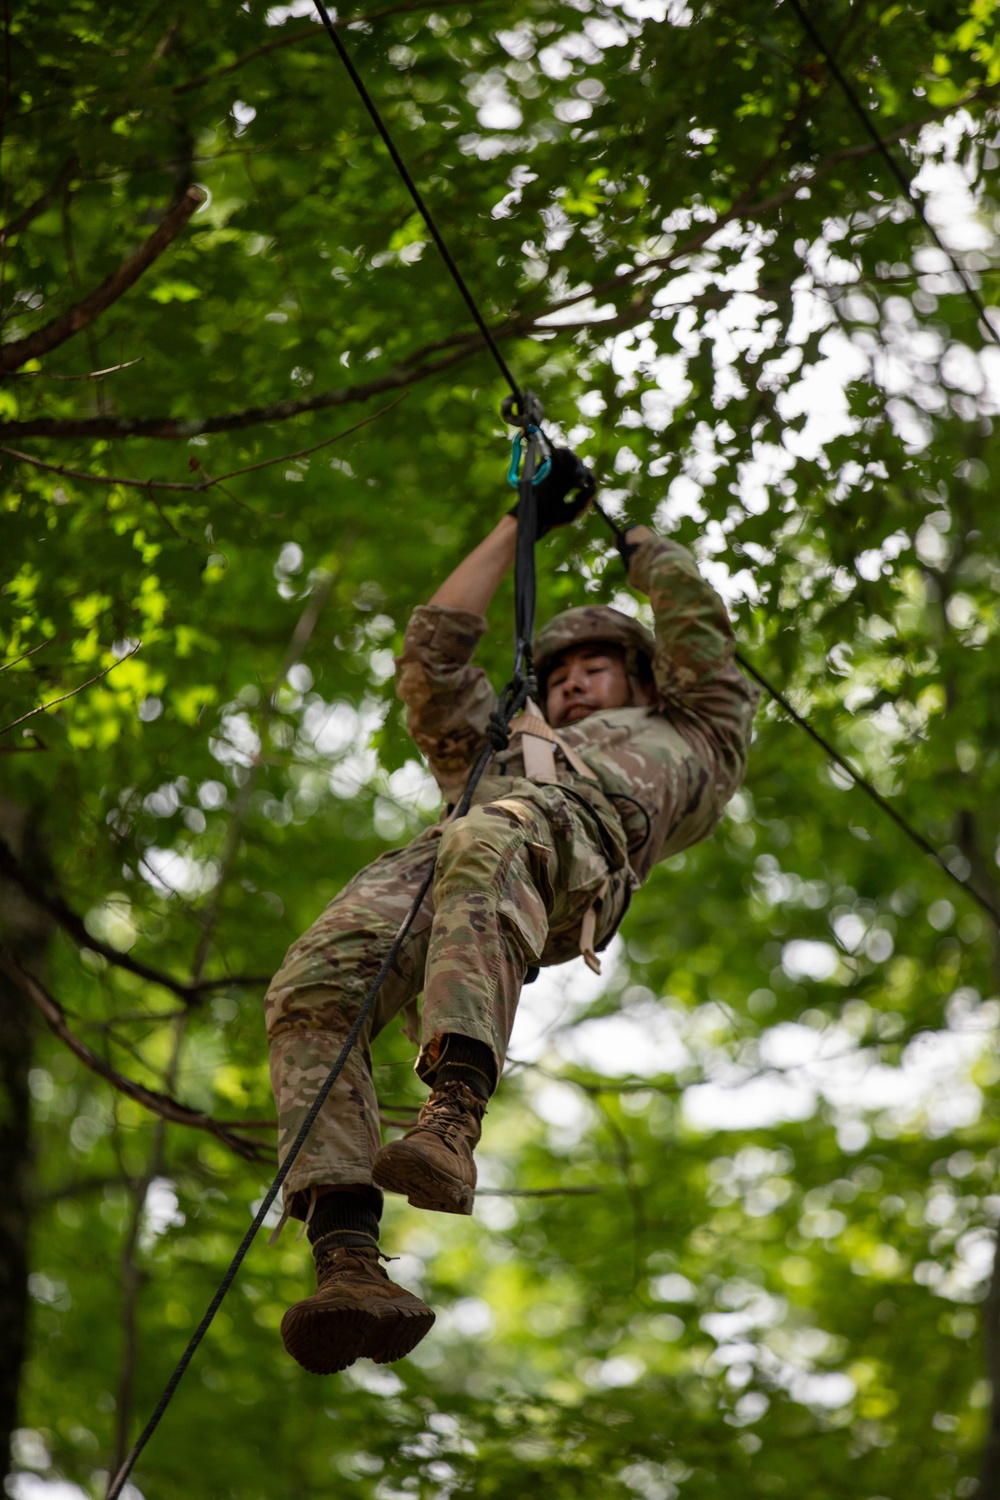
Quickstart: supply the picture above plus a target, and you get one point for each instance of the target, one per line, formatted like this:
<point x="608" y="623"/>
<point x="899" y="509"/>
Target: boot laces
<point x="446" y="1111"/>
<point x="336" y="1261"/>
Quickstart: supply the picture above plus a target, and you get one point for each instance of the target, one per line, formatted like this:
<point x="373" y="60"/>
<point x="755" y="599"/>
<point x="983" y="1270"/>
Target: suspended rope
<point x="416" y="195"/>
<point x="860" y="781"/>
<point x="903" y="177"/>
<point x="512" y="700"/>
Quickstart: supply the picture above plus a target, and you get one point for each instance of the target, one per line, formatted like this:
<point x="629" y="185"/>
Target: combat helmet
<point x="597" y="624"/>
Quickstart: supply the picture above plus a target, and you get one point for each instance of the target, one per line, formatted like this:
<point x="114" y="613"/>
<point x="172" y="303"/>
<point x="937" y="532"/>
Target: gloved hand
<point x="552" y="496"/>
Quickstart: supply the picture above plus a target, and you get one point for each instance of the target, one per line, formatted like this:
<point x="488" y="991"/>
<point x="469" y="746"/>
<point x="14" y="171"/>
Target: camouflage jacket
<point x="681" y="760"/>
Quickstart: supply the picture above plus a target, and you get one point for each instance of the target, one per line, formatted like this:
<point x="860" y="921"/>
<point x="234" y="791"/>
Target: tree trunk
<point x="24" y="931"/>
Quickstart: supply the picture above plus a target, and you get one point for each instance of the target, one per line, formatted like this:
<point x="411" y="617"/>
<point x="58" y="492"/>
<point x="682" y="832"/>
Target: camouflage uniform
<point x="516" y="875"/>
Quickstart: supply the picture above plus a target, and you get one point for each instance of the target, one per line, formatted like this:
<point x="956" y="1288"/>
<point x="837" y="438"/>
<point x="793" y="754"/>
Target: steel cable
<point x="860" y="781"/>
<point x="416" y="195"/>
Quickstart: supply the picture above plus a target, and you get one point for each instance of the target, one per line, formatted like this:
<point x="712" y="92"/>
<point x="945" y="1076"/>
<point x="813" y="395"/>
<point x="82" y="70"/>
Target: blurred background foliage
<point x="742" y="1203"/>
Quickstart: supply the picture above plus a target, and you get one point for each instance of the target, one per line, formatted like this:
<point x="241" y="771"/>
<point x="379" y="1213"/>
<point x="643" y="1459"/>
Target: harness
<point x="539" y="743"/>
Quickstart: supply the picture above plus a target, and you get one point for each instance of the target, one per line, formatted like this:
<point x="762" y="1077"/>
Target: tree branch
<point x="18" y="351"/>
<point x="742" y="208"/>
<point x="159" y="1104"/>
<point x="91" y="375"/>
<point x="309" y="34"/>
<point x="19" y="223"/>
<point x="419" y="366"/>
<point x="205" y="484"/>
<point x="74" y="926"/>
<point x="411" y="369"/>
<point x="72" y="693"/>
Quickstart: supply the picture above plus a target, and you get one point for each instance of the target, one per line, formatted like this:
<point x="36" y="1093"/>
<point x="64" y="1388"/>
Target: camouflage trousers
<point x="512" y="883"/>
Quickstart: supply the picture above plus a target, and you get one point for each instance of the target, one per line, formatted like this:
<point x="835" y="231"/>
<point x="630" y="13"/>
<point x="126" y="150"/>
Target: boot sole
<point x="325" y="1341"/>
<point x="393" y="1337"/>
<point x="400" y="1170"/>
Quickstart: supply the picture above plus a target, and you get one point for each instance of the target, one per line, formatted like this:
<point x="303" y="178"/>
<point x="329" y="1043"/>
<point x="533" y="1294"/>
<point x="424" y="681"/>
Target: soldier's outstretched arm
<point x="694" y="667"/>
<point x="473" y="583"/>
<point x="561" y="497"/>
<point x="449" y="700"/>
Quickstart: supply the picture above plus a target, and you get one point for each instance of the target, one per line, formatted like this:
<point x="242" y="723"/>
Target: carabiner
<point x="514" y="471"/>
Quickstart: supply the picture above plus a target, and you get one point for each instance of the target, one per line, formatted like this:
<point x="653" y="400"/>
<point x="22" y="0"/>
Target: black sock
<point x="464" y="1060"/>
<point x="353" y="1216"/>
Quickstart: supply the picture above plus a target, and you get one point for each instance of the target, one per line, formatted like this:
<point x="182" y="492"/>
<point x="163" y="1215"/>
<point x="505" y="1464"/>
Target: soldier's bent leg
<point x="312" y="1003"/>
<point x="513" y="881"/>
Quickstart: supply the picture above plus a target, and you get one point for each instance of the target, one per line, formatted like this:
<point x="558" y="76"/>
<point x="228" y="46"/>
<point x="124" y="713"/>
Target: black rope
<point x="415" y="194"/>
<point x="845" y="765"/>
<point x="904" y="179"/>
<point x="512" y="700"/>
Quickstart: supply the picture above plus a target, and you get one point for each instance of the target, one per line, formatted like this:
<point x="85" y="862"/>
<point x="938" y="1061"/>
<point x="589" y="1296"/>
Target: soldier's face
<point x="584" y="680"/>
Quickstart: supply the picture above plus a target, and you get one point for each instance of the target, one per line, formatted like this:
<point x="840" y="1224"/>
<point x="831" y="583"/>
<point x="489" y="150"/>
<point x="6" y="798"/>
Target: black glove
<point x="554" y="507"/>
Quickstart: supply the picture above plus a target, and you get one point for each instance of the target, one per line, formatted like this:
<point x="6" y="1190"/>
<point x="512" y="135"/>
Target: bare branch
<point x="18" y="351"/>
<point x="205" y="484"/>
<point x="74" y="926"/>
<point x="72" y="694"/>
<point x="24" y="656"/>
<point x="409" y="371"/>
<point x="301" y="635"/>
<point x="163" y="1105"/>
<point x="92" y="375"/>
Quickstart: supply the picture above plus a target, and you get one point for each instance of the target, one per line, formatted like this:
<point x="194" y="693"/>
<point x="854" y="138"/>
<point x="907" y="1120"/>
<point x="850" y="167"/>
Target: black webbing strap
<point x="524" y="567"/>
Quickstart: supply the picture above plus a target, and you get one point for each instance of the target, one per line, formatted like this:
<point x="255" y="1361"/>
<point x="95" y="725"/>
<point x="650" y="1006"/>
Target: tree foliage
<point x="782" y="1100"/>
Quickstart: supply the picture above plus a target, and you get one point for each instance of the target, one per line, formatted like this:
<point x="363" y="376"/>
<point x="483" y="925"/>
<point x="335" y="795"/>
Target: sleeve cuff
<point x="652" y="550"/>
<point x="451" y="633"/>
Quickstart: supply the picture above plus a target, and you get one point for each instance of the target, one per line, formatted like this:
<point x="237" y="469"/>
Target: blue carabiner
<point x="514" y="472"/>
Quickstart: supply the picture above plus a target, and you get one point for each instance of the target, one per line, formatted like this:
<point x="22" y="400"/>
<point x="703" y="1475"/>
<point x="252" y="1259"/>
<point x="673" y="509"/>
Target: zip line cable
<point x="905" y="183"/>
<point x="904" y="178"/>
<point x="416" y="195"/>
<point x="511" y="700"/>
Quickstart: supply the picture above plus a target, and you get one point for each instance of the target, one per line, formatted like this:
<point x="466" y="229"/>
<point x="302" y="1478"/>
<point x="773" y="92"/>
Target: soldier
<point x="643" y="741"/>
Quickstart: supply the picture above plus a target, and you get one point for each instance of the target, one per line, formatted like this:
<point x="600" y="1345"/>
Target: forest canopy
<point x="738" y="1226"/>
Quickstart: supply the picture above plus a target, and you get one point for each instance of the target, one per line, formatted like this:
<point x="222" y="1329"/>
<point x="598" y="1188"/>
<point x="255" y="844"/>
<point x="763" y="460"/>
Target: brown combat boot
<point x="355" y="1312"/>
<point x="432" y="1164"/>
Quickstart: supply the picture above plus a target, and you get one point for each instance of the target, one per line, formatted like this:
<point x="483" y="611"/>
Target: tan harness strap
<point x="588" y="929"/>
<point x="538" y="744"/>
